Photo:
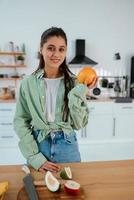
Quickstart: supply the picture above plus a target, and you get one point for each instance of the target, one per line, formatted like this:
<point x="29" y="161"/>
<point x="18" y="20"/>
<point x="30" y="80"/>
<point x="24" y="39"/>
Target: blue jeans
<point x="59" y="147"/>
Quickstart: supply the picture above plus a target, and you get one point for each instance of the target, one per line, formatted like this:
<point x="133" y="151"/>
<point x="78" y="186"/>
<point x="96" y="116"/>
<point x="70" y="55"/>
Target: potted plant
<point x="20" y="59"/>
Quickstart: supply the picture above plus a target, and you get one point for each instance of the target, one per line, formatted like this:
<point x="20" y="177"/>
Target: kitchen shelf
<point x="8" y="101"/>
<point x="12" y="66"/>
<point x="10" y="78"/>
<point x="11" y="53"/>
<point x="13" y="63"/>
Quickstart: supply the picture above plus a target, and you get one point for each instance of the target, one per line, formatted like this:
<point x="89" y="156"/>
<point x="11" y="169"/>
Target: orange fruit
<point x="86" y="75"/>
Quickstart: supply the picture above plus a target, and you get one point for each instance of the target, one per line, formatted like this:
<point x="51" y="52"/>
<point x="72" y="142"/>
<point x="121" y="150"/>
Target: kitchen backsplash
<point x="111" y="84"/>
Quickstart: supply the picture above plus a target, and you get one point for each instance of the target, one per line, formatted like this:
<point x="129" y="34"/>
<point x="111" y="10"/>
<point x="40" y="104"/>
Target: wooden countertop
<point x="109" y="180"/>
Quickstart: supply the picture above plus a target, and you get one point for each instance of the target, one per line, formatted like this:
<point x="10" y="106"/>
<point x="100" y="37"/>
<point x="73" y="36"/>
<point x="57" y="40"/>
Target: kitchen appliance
<point x="80" y="57"/>
<point x="132" y="78"/>
<point x="110" y="87"/>
<point x="117" y="87"/>
<point x="104" y="82"/>
<point x="96" y="91"/>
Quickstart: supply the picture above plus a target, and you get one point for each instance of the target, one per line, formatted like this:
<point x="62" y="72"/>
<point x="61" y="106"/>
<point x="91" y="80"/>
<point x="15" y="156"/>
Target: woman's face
<point x="54" y="52"/>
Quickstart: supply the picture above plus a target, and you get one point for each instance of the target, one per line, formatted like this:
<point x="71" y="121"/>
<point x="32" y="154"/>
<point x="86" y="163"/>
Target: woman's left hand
<point x="49" y="166"/>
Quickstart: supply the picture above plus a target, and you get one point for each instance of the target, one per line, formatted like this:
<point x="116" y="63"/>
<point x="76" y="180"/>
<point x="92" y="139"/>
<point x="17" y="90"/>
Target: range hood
<point x="80" y="57"/>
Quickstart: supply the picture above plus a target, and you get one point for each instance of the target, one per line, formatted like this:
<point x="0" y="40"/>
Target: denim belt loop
<point x="67" y="138"/>
<point x="52" y="134"/>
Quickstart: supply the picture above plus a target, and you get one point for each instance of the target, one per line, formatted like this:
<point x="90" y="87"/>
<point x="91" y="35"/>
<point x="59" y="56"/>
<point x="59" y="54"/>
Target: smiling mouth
<point x="55" y="60"/>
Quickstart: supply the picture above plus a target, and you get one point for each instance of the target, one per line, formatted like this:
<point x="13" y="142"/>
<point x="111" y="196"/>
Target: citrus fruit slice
<point x="66" y="173"/>
<point x="72" y="187"/>
<point x="51" y="182"/>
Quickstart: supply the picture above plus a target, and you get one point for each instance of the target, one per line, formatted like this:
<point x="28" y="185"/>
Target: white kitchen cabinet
<point x="104" y="123"/>
<point x="106" y="151"/>
<point x="109" y="133"/>
<point x="100" y="123"/>
<point x="7" y="133"/>
<point x="124" y="120"/>
<point x="11" y="155"/>
<point x="9" y="150"/>
<point x="124" y="126"/>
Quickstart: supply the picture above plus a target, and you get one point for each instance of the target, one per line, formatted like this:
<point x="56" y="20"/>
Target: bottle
<point x="23" y="48"/>
<point x="11" y="46"/>
<point x="117" y="87"/>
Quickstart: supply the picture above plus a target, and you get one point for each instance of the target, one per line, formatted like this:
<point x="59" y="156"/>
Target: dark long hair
<point x="68" y="80"/>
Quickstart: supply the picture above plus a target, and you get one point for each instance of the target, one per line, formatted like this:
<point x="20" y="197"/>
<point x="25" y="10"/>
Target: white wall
<point x="107" y="26"/>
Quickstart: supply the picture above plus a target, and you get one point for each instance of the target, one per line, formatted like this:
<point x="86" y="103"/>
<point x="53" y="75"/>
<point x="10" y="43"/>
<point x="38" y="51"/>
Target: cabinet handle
<point x="5" y="109"/>
<point x="85" y="131"/>
<point x="6" y="137"/>
<point x="82" y="132"/>
<point x="114" y="124"/>
<point x="6" y="124"/>
<point x="127" y="107"/>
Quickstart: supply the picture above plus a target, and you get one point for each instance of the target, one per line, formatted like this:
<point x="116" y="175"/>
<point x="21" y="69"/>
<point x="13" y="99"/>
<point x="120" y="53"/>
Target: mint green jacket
<point x="30" y="114"/>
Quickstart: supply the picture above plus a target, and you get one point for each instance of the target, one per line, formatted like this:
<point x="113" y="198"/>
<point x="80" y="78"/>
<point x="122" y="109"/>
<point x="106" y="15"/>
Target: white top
<point x="51" y="87"/>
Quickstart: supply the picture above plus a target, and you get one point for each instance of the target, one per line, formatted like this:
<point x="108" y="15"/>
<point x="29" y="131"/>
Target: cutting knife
<point x="26" y="169"/>
<point x="29" y="185"/>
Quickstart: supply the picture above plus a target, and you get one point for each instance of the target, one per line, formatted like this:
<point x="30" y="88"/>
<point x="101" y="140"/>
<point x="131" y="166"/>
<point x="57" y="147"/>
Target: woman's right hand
<point x="49" y="166"/>
<point x="93" y="84"/>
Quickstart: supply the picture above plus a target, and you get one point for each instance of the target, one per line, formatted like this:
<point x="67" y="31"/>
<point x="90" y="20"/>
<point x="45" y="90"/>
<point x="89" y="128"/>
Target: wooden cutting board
<point x="45" y="194"/>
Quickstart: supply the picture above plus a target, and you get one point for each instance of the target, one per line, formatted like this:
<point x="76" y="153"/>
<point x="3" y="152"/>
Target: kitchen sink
<point x="122" y="99"/>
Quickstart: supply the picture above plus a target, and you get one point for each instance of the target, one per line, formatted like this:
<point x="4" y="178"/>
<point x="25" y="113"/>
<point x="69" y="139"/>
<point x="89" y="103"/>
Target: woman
<point x="51" y="105"/>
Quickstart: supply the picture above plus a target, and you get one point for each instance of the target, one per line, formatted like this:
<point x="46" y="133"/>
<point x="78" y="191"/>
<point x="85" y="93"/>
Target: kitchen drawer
<point x="124" y="108"/>
<point x="7" y="109"/>
<point x="100" y="107"/>
<point x="6" y="124"/>
<point x="11" y="156"/>
<point x="7" y="135"/>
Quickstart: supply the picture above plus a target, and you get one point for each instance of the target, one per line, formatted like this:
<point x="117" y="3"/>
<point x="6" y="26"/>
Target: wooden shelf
<point x="13" y="63"/>
<point x="11" y="53"/>
<point x="8" y="101"/>
<point x="10" y="78"/>
<point x="12" y="66"/>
